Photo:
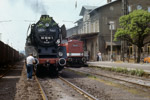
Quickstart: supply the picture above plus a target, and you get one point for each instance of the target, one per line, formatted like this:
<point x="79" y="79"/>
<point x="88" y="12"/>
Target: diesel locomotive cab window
<point x="75" y="45"/>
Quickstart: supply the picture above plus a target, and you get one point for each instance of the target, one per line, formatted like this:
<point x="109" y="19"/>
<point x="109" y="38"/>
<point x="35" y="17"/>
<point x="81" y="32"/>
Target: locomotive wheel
<point x="53" y="71"/>
<point x="38" y="71"/>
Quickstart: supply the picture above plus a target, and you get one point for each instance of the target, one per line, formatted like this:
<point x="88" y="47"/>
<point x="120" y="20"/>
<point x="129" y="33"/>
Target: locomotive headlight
<point x="60" y="54"/>
<point x="47" y="24"/>
<point x="58" y="41"/>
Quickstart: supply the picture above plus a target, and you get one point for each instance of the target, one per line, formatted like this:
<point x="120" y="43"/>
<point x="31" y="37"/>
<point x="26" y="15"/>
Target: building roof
<point x="114" y="43"/>
<point x="89" y="8"/>
<point x="92" y="11"/>
<point x="80" y="20"/>
<point x="84" y="35"/>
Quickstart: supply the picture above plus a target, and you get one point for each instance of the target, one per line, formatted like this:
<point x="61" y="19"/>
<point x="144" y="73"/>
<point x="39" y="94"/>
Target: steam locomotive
<point x="44" y="42"/>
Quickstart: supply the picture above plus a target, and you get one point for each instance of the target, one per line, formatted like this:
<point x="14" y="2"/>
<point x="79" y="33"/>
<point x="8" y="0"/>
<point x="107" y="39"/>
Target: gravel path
<point x="55" y="89"/>
<point x="27" y="89"/>
<point x="15" y="86"/>
<point x="104" y="89"/>
<point x="8" y="82"/>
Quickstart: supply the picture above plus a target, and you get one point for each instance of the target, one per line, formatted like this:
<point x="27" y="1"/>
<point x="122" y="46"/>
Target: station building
<point x="97" y="24"/>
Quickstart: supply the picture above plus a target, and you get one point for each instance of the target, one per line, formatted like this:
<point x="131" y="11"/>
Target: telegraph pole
<point x="124" y="12"/>
<point x="111" y="53"/>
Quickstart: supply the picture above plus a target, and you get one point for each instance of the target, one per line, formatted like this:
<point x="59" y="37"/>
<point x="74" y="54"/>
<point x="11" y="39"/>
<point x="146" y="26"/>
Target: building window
<point x="130" y="50"/>
<point x="96" y="26"/>
<point x="92" y="27"/>
<point x="129" y="9"/>
<point x="87" y="27"/>
<point x="148" y="49"/>
<point x="84" y="29"/>
<point x="139" y="7"/>
<point x="112" y="25"/>
<point x="148" y="9"/>
<point x="111" y="8"/>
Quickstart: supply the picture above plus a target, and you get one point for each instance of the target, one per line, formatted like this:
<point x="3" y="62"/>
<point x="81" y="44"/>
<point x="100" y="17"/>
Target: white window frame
<point x="113" y="25"/>
<point x="139" y="7"/>
<point x="148" y="9"/>
<point x="129" y="8"/>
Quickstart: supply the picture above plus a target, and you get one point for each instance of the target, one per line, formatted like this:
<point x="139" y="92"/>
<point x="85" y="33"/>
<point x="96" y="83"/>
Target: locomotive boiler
<point x="44" y="42"/>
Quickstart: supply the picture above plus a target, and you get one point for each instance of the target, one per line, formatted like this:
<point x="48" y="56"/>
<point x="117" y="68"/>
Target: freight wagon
<point x="8" y="55"/>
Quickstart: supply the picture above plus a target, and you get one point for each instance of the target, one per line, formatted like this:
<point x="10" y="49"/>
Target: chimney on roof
<point x="108" y="1"/>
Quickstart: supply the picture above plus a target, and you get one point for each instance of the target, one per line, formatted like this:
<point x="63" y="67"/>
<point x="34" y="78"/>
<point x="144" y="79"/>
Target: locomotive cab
<point x="75" y="53"/>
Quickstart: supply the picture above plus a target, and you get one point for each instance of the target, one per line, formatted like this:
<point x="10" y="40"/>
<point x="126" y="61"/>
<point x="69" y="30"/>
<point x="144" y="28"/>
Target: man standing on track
<point x="29" y="63"/>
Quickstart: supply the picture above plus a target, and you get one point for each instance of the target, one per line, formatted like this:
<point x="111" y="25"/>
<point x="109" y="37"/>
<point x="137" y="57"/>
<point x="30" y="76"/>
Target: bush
<point x="139" y="72"/>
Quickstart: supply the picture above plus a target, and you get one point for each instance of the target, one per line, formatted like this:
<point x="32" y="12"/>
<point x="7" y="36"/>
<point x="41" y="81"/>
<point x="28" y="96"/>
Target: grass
<point x="137" y="72"/>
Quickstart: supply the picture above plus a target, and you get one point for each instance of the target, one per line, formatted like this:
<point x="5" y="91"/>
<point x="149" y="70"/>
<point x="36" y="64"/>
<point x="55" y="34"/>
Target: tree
<point x="135" y="29"/>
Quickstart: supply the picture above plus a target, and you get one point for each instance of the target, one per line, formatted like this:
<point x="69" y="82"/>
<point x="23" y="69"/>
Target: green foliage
<point x="41" y="26"/>
<point x="113" y="69"/>
<point x="136" y="72"/>
<point x="134" y="26"/>
<point x="135" y="29"/>
<point x="132" y="72"/>
<point x="45" y="20"/>
<point x="139" y="72"/>
<point x="125" y="71"/>
<point x="48" y="20"/>
<point x="118" y="69"/>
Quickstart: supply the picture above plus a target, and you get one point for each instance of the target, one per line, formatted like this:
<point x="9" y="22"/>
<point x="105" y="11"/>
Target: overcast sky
<point x="16" y="15"/>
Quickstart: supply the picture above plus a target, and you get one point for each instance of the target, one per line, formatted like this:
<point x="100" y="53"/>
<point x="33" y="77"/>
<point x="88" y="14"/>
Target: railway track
<point x="43" y="94"/>
<point x="5" y="71"/>
<point x="87" y="95"/>
<point x="141" y="83"/>
<point x="82" y="92"/>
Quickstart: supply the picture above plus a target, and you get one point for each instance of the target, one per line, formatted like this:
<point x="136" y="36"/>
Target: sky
<point x="16" y="15"/>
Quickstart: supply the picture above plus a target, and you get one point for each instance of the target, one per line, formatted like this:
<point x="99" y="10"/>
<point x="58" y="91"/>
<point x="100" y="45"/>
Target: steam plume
<point x="37" y="6"/>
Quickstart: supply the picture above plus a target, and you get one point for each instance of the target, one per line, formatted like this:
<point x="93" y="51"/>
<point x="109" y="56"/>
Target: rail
<point x="44" y="96"/>
<point x="87" y="95"/>
<point x="146" y="86"/>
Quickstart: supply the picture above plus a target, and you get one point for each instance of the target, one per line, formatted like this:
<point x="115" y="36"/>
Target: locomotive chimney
<point x="108" y="1"/>
<point x="44" y="16"/>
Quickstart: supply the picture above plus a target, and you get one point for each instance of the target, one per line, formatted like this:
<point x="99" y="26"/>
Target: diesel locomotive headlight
<point x="60" y="54"/>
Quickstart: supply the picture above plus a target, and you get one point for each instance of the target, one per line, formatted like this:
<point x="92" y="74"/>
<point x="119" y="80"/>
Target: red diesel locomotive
<point x="75" y="53"/>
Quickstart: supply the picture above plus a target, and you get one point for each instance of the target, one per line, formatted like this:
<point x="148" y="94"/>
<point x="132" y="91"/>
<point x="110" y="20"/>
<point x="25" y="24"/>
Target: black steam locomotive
<point x="44" y="42"/>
